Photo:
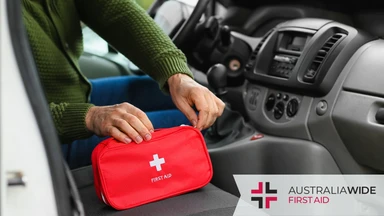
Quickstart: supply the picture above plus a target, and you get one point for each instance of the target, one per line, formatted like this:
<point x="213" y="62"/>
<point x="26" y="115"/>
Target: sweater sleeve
<point x="128" y="28"/>
<point x="69" y="119"/>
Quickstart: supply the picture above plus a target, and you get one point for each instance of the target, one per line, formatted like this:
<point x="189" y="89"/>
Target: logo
<point x="157" y="162"/>
<point x="267" y="198"/>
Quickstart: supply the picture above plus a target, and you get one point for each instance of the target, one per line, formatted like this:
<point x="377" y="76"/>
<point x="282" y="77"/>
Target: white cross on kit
<point x="157" y="162"/>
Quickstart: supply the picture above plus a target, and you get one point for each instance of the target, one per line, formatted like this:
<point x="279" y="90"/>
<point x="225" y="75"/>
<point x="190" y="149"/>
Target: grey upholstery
<point x="208" y="201"/>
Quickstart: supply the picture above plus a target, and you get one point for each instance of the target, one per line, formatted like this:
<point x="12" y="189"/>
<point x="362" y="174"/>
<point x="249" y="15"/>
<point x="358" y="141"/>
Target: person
<point x="54" y="32"/>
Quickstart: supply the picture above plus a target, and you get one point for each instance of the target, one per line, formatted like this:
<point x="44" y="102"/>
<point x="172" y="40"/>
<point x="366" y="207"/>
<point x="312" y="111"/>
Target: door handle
<point x="16" y="178"/>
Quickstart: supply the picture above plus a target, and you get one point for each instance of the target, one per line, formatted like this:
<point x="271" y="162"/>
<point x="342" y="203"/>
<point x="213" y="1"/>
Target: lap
<point x="141" y="91"/>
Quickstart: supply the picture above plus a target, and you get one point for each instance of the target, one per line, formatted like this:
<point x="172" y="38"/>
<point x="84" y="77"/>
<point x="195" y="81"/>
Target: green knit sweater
<point x="55" y="36"/>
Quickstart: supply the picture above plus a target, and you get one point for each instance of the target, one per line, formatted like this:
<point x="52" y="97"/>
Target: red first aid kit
<point x="173" y="162"/>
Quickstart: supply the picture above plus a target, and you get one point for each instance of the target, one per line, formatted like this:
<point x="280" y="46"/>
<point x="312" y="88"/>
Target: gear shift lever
<point x="231" y="125"/>
<point x="217" y="79"/>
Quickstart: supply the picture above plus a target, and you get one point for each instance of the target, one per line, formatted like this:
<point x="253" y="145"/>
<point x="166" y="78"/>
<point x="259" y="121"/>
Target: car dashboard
<point x="293" y="63"/>
<point x="313" y="92"/>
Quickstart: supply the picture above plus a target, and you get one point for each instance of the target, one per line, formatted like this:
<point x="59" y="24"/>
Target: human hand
<point x="124" y="122"/>
<point x="186" y="93"/>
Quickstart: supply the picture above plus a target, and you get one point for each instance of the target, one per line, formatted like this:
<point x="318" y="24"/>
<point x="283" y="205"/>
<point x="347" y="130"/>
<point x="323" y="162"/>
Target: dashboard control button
<point x="310" y="75"/>
<point x="278" y="96"/>
<point x="270" y="102"/>
<point x="285" y="97"/>
<point x="321" y="108"/>
<point x="279" y="110"/>
<point x="292" y="107"/>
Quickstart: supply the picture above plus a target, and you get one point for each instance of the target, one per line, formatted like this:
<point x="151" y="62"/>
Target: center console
<point x="293" y="63"/>
<point x="299" y="55"/>
<point x="289" y="47"/>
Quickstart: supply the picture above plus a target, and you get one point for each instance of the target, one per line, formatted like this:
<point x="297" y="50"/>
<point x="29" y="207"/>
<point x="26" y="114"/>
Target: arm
<point x="127" y="27"/>
<point x="67" y="118"/>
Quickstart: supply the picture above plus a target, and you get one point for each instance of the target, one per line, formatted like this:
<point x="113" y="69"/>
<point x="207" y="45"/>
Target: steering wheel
<point x="181" y="36"/>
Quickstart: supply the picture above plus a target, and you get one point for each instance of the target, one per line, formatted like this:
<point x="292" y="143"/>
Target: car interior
<point x="302" y="83"/>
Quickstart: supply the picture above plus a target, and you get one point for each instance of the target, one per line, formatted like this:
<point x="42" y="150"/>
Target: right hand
<point x="124" y="122"/>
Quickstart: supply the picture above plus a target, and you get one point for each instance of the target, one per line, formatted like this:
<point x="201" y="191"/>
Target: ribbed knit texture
<point x="55" y="36"/>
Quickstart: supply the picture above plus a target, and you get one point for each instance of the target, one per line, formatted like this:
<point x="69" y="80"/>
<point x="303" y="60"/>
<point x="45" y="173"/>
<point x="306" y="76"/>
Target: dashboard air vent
<point x="257" y="49"/>
<point x="327" y="47"/>
<point x="312" y="71"/>
<point x="252" y="58"/>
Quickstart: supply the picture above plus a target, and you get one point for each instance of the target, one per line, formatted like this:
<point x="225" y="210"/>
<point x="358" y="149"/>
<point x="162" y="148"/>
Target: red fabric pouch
<point x="173" y="162"/>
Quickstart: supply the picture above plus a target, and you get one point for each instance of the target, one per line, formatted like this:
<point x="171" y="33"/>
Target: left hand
<point x="186" y="92"/>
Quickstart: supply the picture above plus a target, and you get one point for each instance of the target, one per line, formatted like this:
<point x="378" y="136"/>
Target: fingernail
<point x="127" y="140"/>
<point x="148" y="137"/>
<point x="151" y="131"/>
<point x="138" y="139"/>
<point x="194" y="123"/>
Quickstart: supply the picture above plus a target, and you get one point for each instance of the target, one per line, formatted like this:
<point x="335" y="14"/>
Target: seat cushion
<point x="208" y="201"/>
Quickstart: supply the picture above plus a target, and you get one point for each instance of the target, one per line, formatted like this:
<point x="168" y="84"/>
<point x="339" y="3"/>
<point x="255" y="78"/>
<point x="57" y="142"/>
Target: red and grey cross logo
<point x="264" y="195"/>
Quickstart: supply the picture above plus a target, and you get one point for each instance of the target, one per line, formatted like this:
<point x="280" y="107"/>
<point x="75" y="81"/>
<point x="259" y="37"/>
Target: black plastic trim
<point x="29" y="74"/>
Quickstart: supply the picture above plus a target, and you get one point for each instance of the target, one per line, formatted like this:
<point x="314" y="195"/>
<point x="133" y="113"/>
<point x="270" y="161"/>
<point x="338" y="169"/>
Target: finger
<point x="209" y="117"/>
<point x="118" y="135"/>
<point x="213" y="110"/>
<point x="138" y="126"/>
<point x="203" y="107"/>
<point x="188" y="111"/>
<point x="126" y="128"/>
<point x="129" y="108"/>
<point x="145" y="120"/>
<point x="220" y="105"/>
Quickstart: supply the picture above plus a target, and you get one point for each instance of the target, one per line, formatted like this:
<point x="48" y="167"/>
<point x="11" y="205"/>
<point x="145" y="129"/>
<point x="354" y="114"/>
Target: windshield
<point x="189" y="2"/>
